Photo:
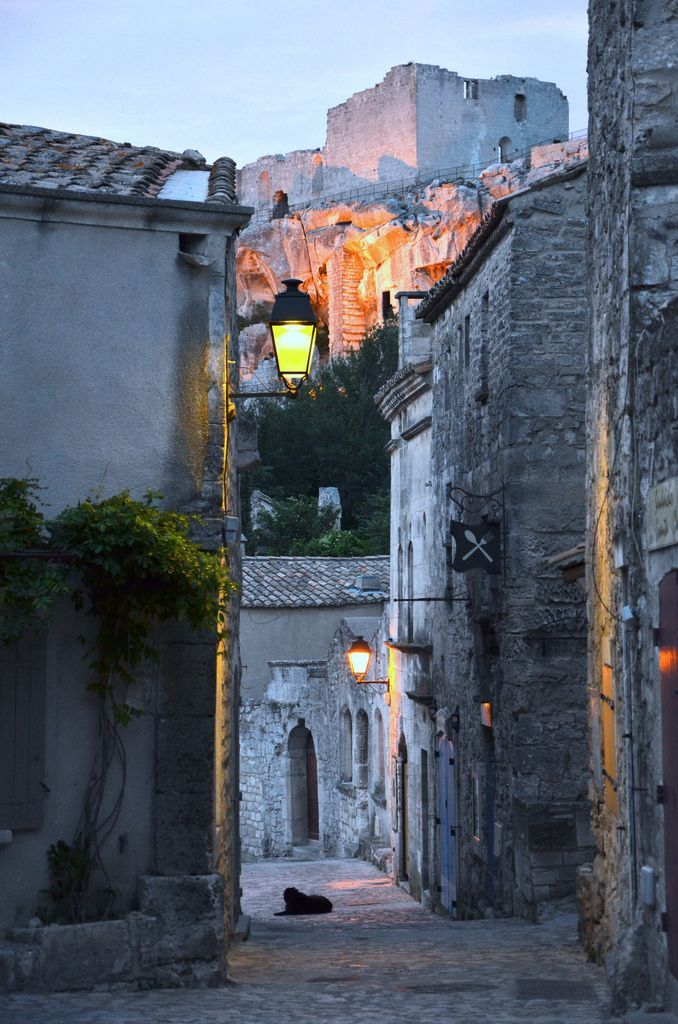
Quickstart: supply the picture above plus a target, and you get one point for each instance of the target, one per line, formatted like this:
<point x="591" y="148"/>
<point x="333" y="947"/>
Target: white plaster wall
<point x="287" y="634"/>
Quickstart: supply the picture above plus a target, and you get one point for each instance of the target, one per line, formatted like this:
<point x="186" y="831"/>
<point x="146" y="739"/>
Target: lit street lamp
<point x="293" y="328"/>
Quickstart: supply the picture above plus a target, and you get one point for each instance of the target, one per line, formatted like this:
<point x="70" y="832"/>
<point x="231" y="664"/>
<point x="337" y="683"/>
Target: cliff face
<point x="354" y="257"/>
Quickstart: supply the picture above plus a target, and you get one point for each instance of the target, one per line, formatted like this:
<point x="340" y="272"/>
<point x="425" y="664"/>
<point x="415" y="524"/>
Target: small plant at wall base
<point x="134" y="568"/>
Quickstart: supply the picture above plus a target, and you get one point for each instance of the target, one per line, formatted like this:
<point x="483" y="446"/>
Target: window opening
<point x="520" y="107"/>
<point x="467" y="341"/>
<point x="471" y="89"/>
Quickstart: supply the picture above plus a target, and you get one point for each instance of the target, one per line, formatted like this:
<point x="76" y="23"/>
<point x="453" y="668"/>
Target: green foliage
<point x="374" y="523"/>
<point x="293" y="521"/>
<point x="137" y="568"/>
<point x="333" y="435"/>
<point x="336" y="544"/>
<point x="28" y="586"/>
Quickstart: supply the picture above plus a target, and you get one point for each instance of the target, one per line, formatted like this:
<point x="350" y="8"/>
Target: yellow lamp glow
<point x="359" y="655"/>
<point x="293" y="328"/>
<point x="293" y="344"/>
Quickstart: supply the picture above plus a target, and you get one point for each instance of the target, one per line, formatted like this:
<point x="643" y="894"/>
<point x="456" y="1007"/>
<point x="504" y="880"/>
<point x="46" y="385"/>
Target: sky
<point x="257" y="77"/>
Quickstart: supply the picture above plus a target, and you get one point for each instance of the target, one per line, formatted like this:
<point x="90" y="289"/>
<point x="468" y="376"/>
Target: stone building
<point x="313" y="742"/>
<point x="488" y="709"/>
<point x="630" y="899"/>
<point x="407" y="171"/>
<point x="419" y="120"/>
<point x="117" y="276"/>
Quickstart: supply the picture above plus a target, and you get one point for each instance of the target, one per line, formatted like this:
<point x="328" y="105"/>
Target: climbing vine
<point x="132" y="566"/>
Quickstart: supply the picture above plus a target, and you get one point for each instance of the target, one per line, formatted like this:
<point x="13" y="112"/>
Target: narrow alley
<point x="378" y="953"/>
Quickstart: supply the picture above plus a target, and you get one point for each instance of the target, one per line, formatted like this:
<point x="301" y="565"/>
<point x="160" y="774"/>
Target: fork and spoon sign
<point x="478" y="545"/>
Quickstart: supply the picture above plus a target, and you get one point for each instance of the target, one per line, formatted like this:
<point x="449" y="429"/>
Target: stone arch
<point x="303" y="787"/>
<point x="317" y="175"/>
<point x="506" y="149"/>
<point x="361" y="748"/>
<point x="346" y="745"/>
<point x="281" y="205"/>
<point x="264" y="189"/>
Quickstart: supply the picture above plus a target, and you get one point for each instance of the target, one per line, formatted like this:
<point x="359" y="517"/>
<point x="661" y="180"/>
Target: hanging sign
<point x="476" y="546"/>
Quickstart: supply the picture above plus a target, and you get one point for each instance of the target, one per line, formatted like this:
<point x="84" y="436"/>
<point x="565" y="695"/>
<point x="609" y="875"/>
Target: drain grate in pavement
<point x="554" y="988"/>
<point x="331" y="981"/>
<point x="445" y="986"/>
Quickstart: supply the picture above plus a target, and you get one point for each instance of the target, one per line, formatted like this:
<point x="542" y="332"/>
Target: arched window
<point x="505" y="149"/>
<point x="346" y="746"/>
<point x="281" y="206"/>
<point x="410" y="593"/>
<point x="264" y="191"/>
<point x="361" y="748"/>
<point x="318" y="175"/>
<point x="378" y="765"/>
<point x="520" y="107"/>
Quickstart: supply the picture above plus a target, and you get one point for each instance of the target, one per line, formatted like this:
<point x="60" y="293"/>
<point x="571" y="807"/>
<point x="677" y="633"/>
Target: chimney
<point x="414" y="336"/>
<point x="328" y="497"/>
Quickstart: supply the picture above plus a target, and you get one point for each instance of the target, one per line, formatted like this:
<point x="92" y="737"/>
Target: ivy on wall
<point x="132" y="566"/>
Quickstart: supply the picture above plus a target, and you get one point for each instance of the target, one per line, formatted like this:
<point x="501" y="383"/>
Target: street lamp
<point x="359" y="656"/>
<point x="293" y="328"/>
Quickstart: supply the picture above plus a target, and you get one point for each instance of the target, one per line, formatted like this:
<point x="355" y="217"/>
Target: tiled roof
<point x="487" y="225"/>
<point x="41" y="158"/>
<point x="280" y="582"/>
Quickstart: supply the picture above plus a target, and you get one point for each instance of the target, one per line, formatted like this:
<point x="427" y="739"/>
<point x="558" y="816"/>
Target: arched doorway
<point x="506" y="151"/>
<point x="304" y="820"/>
<point x="402" y="809"/>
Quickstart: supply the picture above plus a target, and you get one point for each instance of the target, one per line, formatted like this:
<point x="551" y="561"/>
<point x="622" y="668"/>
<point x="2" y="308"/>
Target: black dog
<point x="300" y="903"/>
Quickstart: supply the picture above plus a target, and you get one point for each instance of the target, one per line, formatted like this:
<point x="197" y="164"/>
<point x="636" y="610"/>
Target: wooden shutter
<point x="22" y="733"/>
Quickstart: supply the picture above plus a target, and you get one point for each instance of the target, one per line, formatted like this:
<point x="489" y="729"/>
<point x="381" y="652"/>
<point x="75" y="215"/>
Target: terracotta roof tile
<point x="286" y="582"/>
<point x="42" y="158"/>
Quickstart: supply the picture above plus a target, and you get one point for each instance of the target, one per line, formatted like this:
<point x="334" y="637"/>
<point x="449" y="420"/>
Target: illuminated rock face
<point x="355" y="257"/>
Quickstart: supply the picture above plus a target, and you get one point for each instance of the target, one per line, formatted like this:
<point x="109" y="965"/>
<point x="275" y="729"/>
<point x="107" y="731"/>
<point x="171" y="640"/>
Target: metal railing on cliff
<point x="403" y="186"/>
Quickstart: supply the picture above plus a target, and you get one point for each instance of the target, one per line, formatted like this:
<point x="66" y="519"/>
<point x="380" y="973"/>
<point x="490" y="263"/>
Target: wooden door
<point x="668" y="669"/>
<point x="312" y="815"/>
<point x="447" y="815"/>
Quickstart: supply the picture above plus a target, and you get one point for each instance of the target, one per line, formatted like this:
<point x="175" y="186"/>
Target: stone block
<point x="185" y="754"/>
<point x="190" y="911"/>
<point x="183" y="833"/>
<point x="187" y="672"/>
<point x="80" y="956"/>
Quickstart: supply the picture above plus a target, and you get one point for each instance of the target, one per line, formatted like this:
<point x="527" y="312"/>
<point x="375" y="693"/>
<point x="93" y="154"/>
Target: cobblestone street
<point x="379" y="954"/>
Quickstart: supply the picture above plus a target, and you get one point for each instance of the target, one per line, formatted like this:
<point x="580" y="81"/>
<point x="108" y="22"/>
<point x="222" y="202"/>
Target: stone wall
<point x="110" y="388"/>
<point x="317" y="697"/>
<point x="632" y="447"/>
<point x="419" y="119"/>
<point x="508" y="404"/>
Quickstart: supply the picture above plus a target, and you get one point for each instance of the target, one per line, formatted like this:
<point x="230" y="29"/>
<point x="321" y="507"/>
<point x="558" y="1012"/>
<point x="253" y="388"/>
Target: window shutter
<point x="22" y="733"/>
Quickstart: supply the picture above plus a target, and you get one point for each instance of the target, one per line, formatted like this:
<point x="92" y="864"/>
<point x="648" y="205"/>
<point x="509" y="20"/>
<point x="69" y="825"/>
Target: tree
<point x="333" y="435"/>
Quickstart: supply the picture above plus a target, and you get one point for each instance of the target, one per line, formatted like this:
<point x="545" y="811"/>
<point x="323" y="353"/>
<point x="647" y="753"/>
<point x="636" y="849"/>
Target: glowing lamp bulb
<point x="293" y="329"/>
<point x="359" y="655"/>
